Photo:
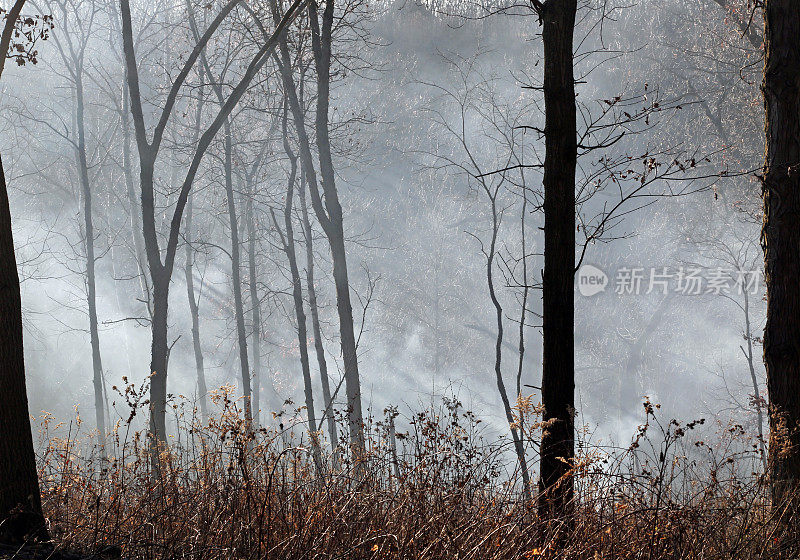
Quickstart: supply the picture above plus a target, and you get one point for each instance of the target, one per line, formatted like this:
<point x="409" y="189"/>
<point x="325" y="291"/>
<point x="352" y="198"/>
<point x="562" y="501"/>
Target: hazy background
<point x="410" y="216"/>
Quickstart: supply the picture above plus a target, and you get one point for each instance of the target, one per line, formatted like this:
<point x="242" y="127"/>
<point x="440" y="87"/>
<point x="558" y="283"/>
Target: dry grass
<point x="223" y="494"/>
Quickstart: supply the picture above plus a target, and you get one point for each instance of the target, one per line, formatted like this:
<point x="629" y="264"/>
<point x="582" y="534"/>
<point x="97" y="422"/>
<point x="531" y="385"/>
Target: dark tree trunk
<point x="522" y="313"/>
<point x="781" y="242"/>
<point x="558" y="368"/>
<point x="160" y="279"/>
<point x="20" y="501"/>
<point x="352" y="380"/>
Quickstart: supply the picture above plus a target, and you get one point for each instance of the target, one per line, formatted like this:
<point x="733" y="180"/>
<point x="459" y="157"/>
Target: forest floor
<point x="438" y="490"/>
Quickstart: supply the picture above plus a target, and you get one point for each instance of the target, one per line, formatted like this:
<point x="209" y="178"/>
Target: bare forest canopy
<point x="415" y="219"/>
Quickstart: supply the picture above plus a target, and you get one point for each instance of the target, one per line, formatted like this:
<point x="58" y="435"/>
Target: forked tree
<point x="324" y="193"/>
<point x="474" y="158"/>
<point x="161" y="265"/>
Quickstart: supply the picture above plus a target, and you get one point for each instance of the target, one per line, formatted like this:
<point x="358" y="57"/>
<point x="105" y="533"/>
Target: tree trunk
<point x="91" y="289"/>
<point x="241" y="332"/>
<point x="160" y="278"/>
<point x="329" y="215"/>
<point x="255" y="302"/>
<point x="333" y="224"/>
<point x="202" y="388"/>
<point x="352" y="380"/>
<point x="316" y="329"/>
<point x="781" y="243"/>
<point x="159" y="353"/>
<point x="20" y="501"/>
<point x="558" y="368"/>
<point x="392" y="414"/>
<point x="523" y="305"/>
<point x="130" y="191"/>
<point x="299" y="311"/>
<point x="519" y="446"/>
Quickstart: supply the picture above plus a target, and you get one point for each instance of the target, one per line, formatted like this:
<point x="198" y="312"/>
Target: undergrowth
<point x="438" y="488"/>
